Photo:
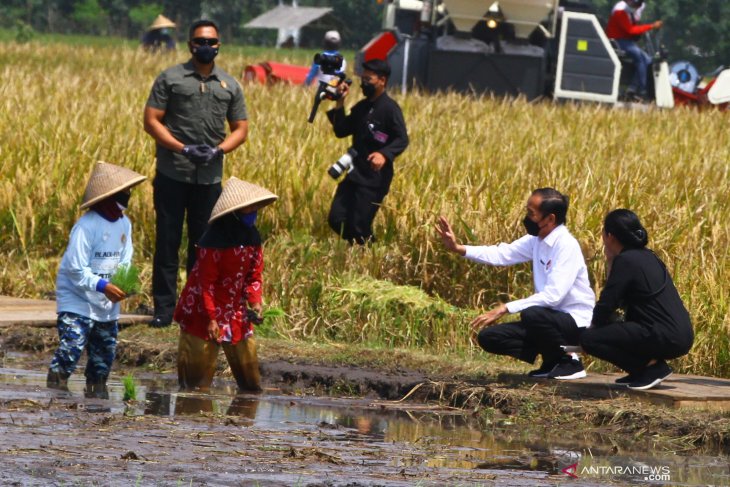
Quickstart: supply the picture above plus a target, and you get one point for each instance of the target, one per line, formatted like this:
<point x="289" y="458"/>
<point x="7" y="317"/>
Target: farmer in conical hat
<point x="159" y="35"/>
<point x="87" y="302"/>
<point x="222" y="298"/>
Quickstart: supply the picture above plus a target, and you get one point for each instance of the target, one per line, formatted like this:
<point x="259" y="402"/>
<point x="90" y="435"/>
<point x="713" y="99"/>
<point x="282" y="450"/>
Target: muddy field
<point x="315" y="425"/>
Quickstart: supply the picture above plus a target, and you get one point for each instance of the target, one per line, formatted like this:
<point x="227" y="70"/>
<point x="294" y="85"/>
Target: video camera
<point x="330" y="64"/>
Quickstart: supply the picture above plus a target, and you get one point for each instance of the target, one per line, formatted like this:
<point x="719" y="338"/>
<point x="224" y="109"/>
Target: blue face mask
<point x="248" y="219"/>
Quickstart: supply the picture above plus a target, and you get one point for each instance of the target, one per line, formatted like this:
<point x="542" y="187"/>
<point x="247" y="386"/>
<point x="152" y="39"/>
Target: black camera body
<point x="329" y="63"/>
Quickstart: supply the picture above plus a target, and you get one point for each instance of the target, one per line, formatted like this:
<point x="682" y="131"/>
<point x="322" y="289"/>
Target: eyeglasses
<point x="206" y="41"/>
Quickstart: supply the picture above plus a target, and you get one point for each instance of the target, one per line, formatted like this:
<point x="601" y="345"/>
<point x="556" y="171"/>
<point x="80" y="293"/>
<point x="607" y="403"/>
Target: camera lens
<point x="334" y="171"/>
<point x="343" y="164"/>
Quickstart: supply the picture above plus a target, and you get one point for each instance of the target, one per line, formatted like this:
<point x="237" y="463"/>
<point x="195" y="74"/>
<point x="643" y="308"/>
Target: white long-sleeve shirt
<point x="558" y="269"/>
<point x="95" y="249"/>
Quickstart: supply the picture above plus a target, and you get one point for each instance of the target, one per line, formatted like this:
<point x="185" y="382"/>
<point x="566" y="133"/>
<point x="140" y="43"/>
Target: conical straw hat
<point x="161" y="22"/>
<point x="107" y="179"/>
<point x="239" y="194"/>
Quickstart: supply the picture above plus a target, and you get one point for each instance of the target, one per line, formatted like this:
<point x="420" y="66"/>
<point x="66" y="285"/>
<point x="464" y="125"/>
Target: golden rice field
<point x="474" y="160"/>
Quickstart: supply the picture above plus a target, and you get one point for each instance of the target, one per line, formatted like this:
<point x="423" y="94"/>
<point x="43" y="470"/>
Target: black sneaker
<point x="160" y="321"/>
<point x="651" y="376"/>
<point x="567" y="369"/>
<point x="543" y="371"/>
<point x="626" y="380"/>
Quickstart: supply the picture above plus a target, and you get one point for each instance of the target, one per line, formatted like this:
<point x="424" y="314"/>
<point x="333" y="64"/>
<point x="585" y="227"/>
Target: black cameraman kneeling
<point x="378" y="136"/>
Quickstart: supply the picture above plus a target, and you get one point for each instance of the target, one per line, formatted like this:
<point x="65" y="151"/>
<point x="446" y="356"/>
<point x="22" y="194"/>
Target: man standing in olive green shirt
<point x="186" y="114"/>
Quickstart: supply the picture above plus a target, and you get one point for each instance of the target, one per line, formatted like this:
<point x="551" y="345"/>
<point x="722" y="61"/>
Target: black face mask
<point x="367" y="89"/>
<point x="122" y="198"/>
<point x="532" y="227"/>
<point x="204" y="54"/>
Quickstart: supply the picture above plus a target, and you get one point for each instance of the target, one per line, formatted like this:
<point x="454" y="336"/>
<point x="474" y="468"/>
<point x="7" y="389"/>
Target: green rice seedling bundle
<point x="270" y="317"/>
<point x="130" y="388"/>
<point x="126" y="278"/>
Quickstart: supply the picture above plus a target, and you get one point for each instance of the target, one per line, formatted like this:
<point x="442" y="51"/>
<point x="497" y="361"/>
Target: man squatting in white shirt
<point x="563" y="301"/>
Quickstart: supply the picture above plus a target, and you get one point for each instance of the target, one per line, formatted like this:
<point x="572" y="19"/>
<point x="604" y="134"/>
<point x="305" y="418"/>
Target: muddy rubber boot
<point x="244" y="364"/>
<point x="196" y="361"/>
<point x="96" y="389"/>
<point x="57" y="380"/>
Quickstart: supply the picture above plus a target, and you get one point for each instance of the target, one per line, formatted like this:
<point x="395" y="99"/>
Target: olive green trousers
<point x="197" y="360"/>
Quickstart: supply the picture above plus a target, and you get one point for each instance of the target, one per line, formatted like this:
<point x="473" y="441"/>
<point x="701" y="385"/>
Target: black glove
<point x="214" y="152"/>
<point x="253" y="317"/>
<point x="198" y="154"/>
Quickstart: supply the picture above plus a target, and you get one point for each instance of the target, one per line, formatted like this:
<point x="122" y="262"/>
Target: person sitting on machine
<point x="624" y="27"/>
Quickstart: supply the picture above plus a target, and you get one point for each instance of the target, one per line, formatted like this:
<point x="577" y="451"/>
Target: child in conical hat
<point x="86" y="302"/>
<point x="222" y="298"/>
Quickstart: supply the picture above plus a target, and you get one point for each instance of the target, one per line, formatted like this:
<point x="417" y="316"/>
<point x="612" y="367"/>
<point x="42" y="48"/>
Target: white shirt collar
<point x="553" y="236"/>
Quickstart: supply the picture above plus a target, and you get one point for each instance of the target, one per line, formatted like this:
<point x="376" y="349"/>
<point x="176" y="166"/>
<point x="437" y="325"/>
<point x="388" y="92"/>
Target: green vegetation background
<point x="64" y="105"/>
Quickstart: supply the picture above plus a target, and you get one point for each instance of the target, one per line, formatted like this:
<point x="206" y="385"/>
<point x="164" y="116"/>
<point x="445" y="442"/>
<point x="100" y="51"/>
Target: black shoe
<point x="543" y="371"/>
<point x="651" y="376"/>
<point x="567" y="369"/>
<point x="626" y="380"/>
<point x="160" y="322"/>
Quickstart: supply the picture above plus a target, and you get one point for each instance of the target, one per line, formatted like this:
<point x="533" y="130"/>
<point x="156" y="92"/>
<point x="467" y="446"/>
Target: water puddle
<point x="434" y="440"/>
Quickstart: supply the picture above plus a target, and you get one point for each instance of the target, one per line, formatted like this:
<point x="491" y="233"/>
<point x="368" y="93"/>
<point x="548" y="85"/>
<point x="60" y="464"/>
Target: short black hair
<point x="201" y="23"/>
<point x="627" y="228"/>
<point x="553" y="202"/>
<point x="377" y="66"/>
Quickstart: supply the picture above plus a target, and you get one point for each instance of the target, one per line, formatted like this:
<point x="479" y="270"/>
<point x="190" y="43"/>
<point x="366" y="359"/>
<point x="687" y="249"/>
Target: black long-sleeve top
<point x="375" y="126"/>
<point x="640" y="284"/>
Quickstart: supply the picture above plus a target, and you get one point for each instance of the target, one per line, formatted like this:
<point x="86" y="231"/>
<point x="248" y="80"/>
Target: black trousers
<point x="630" y="345"/>
<point x="540" y="331"/>
<point x="353" y="211"/>
<point x="173" y="199"/>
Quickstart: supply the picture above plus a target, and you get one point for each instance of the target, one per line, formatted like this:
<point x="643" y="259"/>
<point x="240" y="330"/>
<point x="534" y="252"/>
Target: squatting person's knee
<point x="489" y="341"/>
<point x="531" y="314"/>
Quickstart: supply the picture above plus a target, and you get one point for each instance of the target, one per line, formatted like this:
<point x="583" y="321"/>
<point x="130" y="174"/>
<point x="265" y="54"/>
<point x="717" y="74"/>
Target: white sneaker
<point x="568" y="369"/>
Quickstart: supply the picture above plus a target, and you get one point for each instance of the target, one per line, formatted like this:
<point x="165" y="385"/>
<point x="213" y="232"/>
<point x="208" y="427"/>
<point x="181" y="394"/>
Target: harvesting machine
<point x="532" y="48"/>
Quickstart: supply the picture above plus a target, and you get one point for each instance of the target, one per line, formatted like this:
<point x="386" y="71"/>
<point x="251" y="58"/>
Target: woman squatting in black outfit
<point x="657" y="325"/>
